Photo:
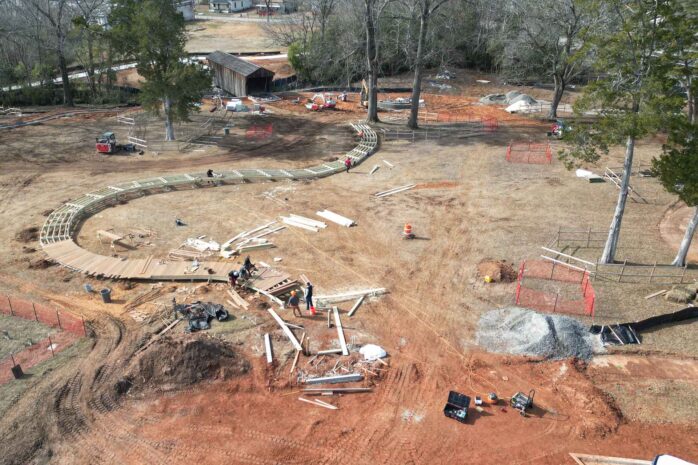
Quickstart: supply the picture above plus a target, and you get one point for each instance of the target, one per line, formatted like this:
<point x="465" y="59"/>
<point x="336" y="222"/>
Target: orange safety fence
<point x="44" y="314"/>
<point x="37" y="353"/>
<point x="490" y="124"/>
<point x="527" y="152"/>
<point x="554" y="302"/>
<point x="72" y="328"/>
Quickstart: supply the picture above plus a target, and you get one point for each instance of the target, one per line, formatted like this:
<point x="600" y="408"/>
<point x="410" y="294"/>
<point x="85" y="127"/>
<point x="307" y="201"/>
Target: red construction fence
<point x="488" y="123"/>
<point x="37" y="353"/>
<point x="71" y="329"/>
<point x="528" y="152"/>
<point x="38" y="312"/>
<point x="554" y="302"/>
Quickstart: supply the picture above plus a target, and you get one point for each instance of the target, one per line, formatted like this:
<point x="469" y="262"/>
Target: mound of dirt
<point x="39" y="264"/>
<point x="176" y="362"/>
<point x="497" y="270"/>
<point x="28" y="235"/>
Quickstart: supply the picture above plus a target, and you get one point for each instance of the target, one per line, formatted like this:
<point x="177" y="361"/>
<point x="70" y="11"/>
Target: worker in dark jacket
<point x="293" y="302"/>
<point x="249" y="266"/>
<point x="309" y="297"/>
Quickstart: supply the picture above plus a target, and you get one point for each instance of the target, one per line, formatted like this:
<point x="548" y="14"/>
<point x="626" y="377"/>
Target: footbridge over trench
<point x="57" y="233"/>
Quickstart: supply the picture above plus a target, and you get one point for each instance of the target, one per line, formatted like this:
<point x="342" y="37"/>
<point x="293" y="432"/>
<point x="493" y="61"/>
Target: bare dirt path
<point x="474" y="206"/>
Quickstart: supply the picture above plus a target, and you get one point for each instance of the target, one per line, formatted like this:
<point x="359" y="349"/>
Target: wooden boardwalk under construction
<point x="57" y="233"/>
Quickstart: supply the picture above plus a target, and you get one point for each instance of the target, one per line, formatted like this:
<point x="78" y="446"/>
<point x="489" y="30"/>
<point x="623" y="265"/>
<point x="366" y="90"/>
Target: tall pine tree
<point x="152" y="32"/>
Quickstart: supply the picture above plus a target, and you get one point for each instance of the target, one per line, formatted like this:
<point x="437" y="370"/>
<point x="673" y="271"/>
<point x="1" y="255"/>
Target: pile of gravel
<point x="518" y="331"/>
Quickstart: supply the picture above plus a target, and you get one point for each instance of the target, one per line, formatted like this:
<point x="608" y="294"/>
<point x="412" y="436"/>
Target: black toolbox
<point x="457" y="406"/>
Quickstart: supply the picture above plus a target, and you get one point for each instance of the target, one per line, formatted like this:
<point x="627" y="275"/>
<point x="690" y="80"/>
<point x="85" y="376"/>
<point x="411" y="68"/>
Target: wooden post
<point x="586" y="285"/>
<point x="59" y="320"/>
<point x="622" y="270"/>
<point x="9" y="302"/>
<point x="50" y="346"/>
<point x="557" y="296"/>
<point x="654" y="267"/>
<point x="552" y="270"/>
<point x="36" y="317"/>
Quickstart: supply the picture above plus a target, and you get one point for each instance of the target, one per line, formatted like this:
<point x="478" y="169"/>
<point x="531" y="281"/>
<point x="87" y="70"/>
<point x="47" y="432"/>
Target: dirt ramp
<point x="176" y="362"/>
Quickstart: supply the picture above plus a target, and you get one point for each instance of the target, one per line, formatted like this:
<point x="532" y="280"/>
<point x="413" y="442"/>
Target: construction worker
<point x="209" y="173"/>
<point x="309" y="296"/>
<point x="243" y="273"/>
<point x="249" y="266"/>
<point x="293" y="302"/>
<point x="347" y="163"/>
<point x="233" y="278"/>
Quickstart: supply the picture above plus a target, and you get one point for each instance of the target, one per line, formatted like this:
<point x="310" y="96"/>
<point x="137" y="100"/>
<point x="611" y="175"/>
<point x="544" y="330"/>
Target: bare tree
<point x="90" y="35"/>
<point x="426" y="9"/>
<point x="372" y="13"/>
<point x="57" y="15"/>
<point x="546" y="39"/>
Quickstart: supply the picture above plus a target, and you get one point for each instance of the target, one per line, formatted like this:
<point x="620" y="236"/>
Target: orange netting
<point x="554" y="302"/>
<point x="525" y="152"/>
<point x="73" y="327"/>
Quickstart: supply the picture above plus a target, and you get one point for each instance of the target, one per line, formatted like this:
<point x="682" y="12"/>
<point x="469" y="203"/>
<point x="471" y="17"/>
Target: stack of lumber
<point x="250" y="240"/>
<point x="272" y="281"/>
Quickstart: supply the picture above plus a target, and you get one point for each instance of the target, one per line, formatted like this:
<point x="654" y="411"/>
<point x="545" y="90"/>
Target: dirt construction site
<point x="143" y="377"/>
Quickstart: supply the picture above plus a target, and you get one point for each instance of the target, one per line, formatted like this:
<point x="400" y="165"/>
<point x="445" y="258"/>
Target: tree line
<point x="637" y="59"/>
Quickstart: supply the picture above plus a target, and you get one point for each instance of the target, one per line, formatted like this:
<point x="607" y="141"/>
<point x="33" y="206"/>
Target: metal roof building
<point x="238" y="76"/>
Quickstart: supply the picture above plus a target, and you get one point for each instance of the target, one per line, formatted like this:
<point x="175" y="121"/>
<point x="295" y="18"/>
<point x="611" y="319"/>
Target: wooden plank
<point x="586" y="459"/>
<point x="655" y="294"/>
<point x="327" y="406"/>
<point x="265" y="293"/>
<point x="298" y="354"/>
<point x="340" y="331"/>
<point x="286" y="329"/>
<point x="569" y="256"/>
<point x="146" y="264"/>
<point x="356" y="305"/>
<point x="267" y="348"/>
<point x="334" y="389"/>
<point x="236" y="297"/>
<point x="329" y="351"/>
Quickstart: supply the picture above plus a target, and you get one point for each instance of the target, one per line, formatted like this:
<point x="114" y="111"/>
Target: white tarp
<point x="372" y="352"/>
<point x="521" y="107"/>
<point x="669" y="460"/>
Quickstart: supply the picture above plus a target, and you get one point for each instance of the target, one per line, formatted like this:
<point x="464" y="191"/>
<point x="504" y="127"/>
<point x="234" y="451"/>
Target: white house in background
<point x="276" y="7"/>
<point x="186" y="7"/>
<point x="229" y="6"/>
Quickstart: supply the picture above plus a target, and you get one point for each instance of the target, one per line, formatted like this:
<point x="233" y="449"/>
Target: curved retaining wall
<point x="56" y="235"/>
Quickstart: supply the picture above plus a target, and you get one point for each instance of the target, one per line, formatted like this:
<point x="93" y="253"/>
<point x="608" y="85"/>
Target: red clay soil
<point x="400" y="422"/>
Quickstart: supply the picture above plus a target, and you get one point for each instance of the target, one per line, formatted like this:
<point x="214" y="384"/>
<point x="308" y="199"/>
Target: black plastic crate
<point x="457" y="406"/>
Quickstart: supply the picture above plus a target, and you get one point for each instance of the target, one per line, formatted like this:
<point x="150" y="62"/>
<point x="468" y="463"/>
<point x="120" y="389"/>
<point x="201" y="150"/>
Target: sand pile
<point x="497" y="270"/>
<point x="171" y="363"/>
<point x="518" y="331"/>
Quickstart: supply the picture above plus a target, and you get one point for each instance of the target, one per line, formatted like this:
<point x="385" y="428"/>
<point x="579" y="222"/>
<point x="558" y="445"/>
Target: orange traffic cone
<point x="407" y="232"/>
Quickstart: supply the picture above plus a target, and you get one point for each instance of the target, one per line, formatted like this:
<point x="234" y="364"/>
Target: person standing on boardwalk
<point x="347" y="163"/>
<point x="309" y="297"/>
